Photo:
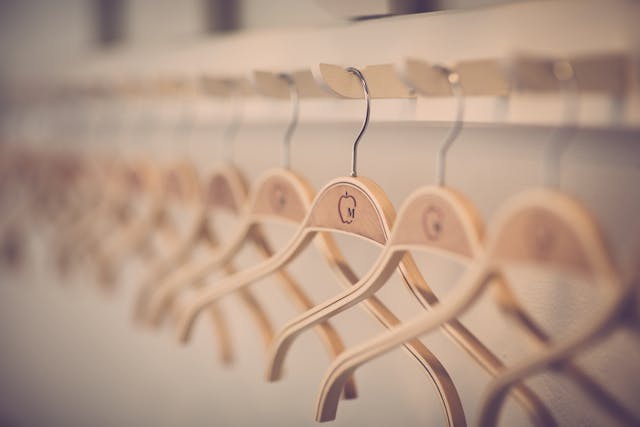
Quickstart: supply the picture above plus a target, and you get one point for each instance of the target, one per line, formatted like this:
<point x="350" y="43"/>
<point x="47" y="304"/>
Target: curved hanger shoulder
<point x="226" y="189"/>
<point x="439" y="219"/>
<point x="356" y="206"/>
<point x="281" y="195"/>
<point x="547" y="229"/>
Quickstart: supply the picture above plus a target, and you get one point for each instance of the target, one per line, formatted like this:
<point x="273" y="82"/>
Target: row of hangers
<point x="544" y="229"/>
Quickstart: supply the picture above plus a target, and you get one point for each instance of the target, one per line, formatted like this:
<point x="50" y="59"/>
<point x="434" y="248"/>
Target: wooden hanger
<point x="436" y="219"/>
<point x="540" y="228"/>
<point x="565" y="75"/>
<point x="570" y="241"/>
<point x="354" y="206"/>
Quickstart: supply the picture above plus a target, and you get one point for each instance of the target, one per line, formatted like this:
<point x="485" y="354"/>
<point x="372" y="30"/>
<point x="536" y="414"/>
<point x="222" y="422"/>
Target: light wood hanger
<point x="617" y="297"/>
<point x="540" y="228"/>
<point x="575" y="246"/>
<point x="436" y="219"/>
<point x="355" y="206"/>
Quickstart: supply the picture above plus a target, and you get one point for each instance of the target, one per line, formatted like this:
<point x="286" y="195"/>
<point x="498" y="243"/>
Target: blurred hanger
<point x="123" y="185"/>
<point x="540" y="228"/>
<point x="589" y="257"/>
<point x="351" y="205"/>
<point x="436" y="219"/>
<point x="226" y="191"/>
<point x="152" y="221"/>
<point x="178" y="185"/>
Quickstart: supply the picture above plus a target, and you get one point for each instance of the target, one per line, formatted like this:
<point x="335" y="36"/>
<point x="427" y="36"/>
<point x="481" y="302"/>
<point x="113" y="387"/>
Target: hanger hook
<point x="365" y="123"/>
<point x="293" y="123"/>
<point x="231" y="130"/>
<point x="454" y="83"/>
<point x="561" y="136"/>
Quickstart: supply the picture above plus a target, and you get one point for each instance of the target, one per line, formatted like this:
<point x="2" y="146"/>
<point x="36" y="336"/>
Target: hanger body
<point x="540" y="228"/>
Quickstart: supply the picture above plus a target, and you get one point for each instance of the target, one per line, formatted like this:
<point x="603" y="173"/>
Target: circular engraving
<point x="543" y="237"/>
<point x="543" y="240"/>
<point x="217" y="193"/>
<point x="432" y="219"/>
<point x="172" y="184"/>
<point x="278" y="197"/>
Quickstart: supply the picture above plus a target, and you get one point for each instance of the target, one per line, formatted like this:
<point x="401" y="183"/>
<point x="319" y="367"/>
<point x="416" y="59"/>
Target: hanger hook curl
<point x="293" y="123"/>
<point x="562" y="135"/>
<point x="365" y="123"/>
<point x="454" y="83"/>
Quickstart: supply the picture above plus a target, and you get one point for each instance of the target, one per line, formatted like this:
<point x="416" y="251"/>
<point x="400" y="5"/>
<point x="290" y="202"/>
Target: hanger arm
<point x="238" y="281"/>
<point x="327" y="333"/>
<point x="163" y="267"/>
<point x="598" y="394"/>
<point x="374" y="280"/>
<point x="160" y="298"/>
<point x="609" y="317"/>
<point x="472" y="285"/>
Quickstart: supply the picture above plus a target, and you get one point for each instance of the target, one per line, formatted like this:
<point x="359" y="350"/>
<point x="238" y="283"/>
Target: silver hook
<point x="231" y="130"/>
<point x="293" y="124"/>
<point x="561" y="136"/>
<point x="454" y="82"/>
<point x="367" y="100"/>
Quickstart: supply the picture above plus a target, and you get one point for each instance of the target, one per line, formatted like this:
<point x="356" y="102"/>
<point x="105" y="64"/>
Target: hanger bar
<point x="612" y="72"/>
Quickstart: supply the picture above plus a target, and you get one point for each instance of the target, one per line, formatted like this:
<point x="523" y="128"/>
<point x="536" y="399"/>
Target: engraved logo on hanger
<point x="347" y="208"/>
<point x="432" y="222"/>
<point x="278" y="197"/>
<point x="543" y="237"/>
<point x="218" y="191"/>
<point x="172" y="184"/>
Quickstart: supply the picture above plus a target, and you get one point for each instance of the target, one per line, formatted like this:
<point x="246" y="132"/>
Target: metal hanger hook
<point x="365" y="123"/>
<point x="231" y="130"/>
<point x="454" y="83"/>
<point x="562" y="135"/>
<point x="293" y="123"/>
